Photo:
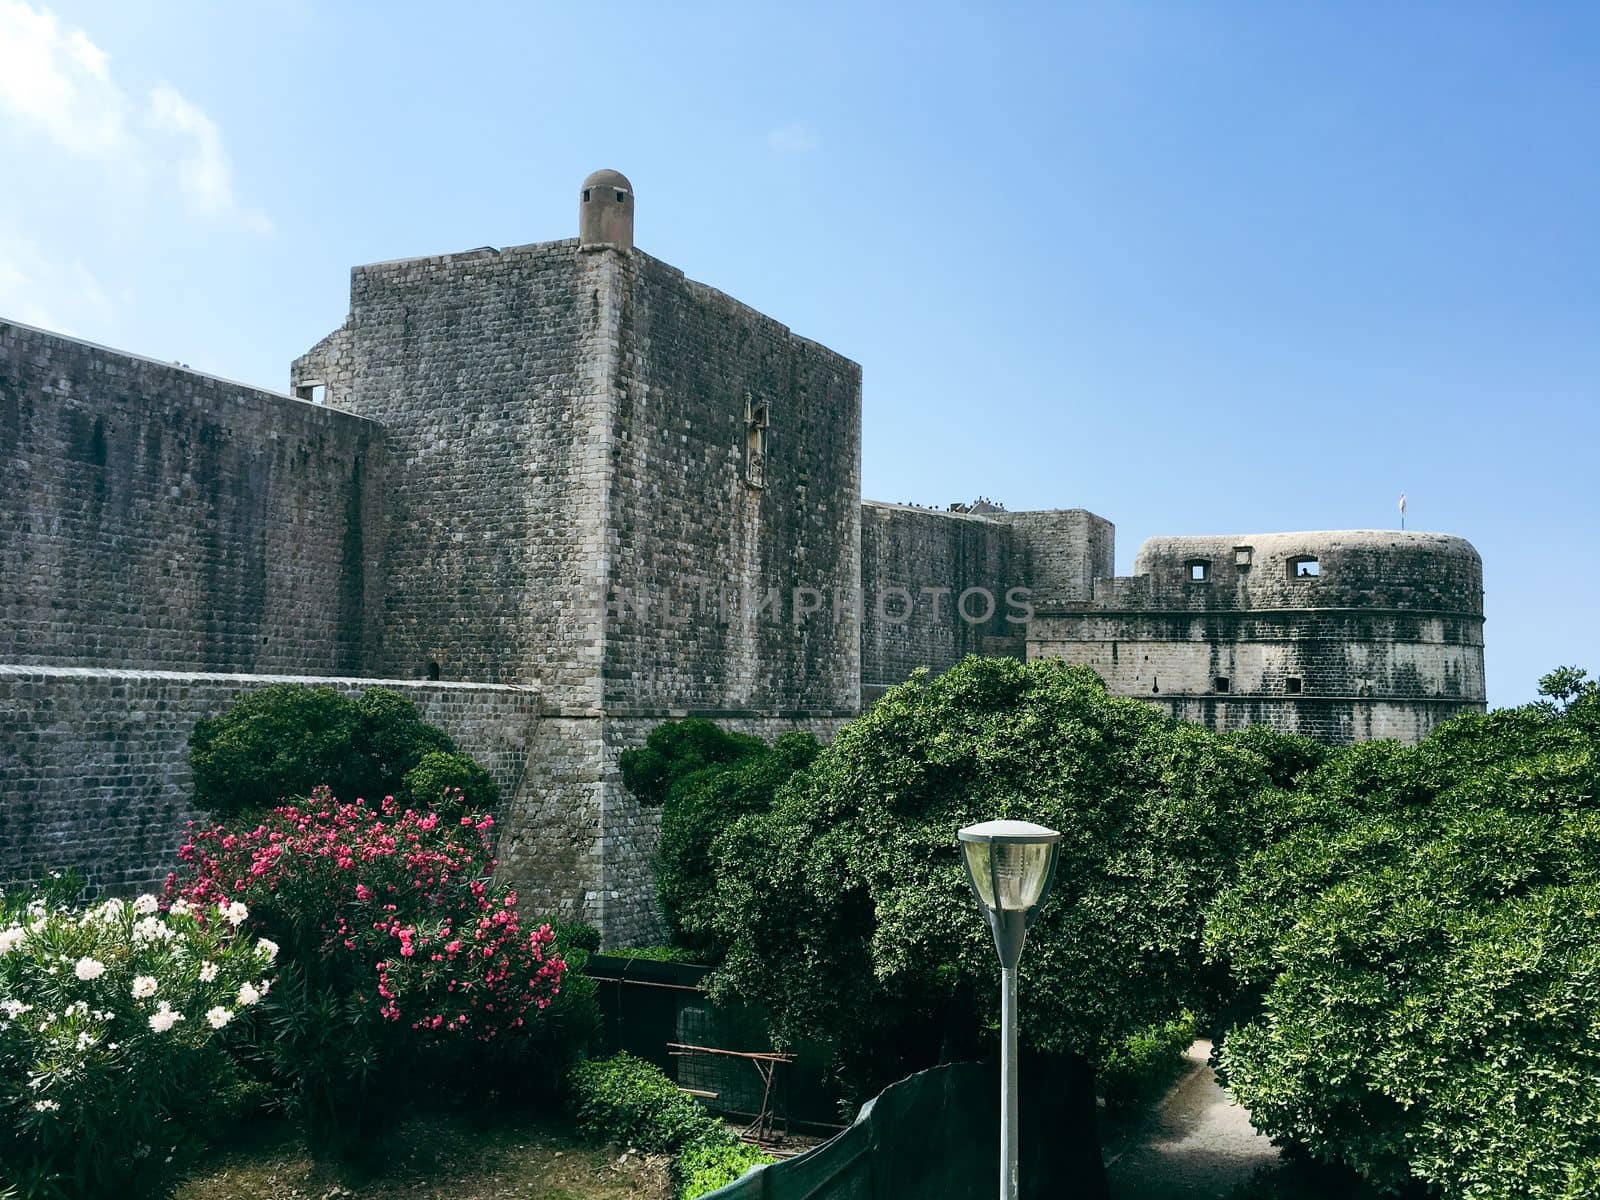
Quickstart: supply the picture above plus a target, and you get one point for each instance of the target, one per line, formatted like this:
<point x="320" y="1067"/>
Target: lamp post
<point x="1010" y="865"/>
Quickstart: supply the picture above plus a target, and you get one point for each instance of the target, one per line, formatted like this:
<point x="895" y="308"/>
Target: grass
<point x="436" y="1158"/>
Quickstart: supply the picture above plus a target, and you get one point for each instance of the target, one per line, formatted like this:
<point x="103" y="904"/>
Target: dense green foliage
<point x="449" y="783"/>
<point x="632" y="1102"/>
<point x="702" y="1169"/>
<point x="699" y="805"/>
<point x="679" y="748"/>
<point x="282" y="741"/>
<point x="675" y="954"/>
<point x="844" y="907"/>
<point x="1136" y="1071"/>
<point x="1421" y="953"/>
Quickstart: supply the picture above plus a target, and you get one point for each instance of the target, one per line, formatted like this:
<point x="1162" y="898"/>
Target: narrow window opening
<point x="433" y="670"/>
<point x="621" y="196"/>
<point x="1294" y="685"/>
<point x="1220" y="683"/>
<point x="586" y="195"/>
<point x="1304" y="566"/>
<point x="316" y="393"/>
<point x="1199" y="569"/>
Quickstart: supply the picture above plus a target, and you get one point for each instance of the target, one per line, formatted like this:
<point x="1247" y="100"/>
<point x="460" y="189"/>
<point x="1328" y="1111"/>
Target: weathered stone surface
<point x="94" y="772"/>
<point x="156" y="517"/>
<point x="584" y="494"/>
<point x="1385" y="640"/>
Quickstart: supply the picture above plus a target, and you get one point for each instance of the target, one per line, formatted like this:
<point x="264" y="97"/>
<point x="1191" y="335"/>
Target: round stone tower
<point x="605" y="211"/>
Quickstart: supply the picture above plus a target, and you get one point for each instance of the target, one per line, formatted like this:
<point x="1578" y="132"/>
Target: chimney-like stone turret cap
<point x="605" y="210"/>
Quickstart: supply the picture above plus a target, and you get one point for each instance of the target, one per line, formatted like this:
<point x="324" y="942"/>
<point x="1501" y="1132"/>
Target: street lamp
<point x="1010" y="865"/>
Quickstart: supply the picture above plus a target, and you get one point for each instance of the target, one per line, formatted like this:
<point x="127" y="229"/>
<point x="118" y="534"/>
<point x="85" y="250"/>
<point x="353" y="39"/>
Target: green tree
<point x="678" y="748"/>
<point x="844" y="907"/>
<point x="699" y="807"/>
<point x="1419" y="958"/>
<point x="284" y="740"/>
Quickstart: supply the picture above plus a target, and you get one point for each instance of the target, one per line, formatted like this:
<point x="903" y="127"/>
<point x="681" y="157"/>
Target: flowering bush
<point x="113" y="1024"/>
<point x="398" y="949"/>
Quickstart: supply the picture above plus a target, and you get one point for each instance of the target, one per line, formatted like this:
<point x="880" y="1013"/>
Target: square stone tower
<point x="618" y="487"/>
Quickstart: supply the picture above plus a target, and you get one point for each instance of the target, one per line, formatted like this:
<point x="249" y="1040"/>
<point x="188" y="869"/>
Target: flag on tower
<point x="1402" y="510"/>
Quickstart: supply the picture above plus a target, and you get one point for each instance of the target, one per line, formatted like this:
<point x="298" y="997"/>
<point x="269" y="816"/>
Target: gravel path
<point x="1197" y="1145"/>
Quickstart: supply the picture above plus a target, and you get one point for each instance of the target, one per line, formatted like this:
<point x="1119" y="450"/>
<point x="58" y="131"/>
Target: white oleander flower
<point x="218" y="1016"/>
<point x="151" y="929"/>
<point x="145" y="905"/>
<point x="76" y="1009"/>
<point x="45" y="1106"/>
<point x="144" y="986"/>
<point x="208" y="972"/>
<point x="164" y="1018"/>
<point x="88" y="969"/>
<point x="180" y="908"/>
<point x="14" y="1008"/>
<point x="236" y="913"/>
<point x="268" y="947"/>
<point x="11" y="938"/>
<point x="248" y="994"/>
<point x="265" y="986"/>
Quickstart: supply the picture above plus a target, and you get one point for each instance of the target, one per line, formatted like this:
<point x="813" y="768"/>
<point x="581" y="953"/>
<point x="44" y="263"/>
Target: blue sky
<point x="1201" y="268"/>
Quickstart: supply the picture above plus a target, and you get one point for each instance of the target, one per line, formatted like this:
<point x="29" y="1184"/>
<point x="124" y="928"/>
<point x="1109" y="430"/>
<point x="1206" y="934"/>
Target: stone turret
<point x="605" y="211"/>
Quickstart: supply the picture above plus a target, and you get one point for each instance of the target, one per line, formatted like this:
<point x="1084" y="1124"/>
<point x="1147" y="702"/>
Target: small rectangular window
<point x="1220" y="683"/>
<point x="1294" y="685"/>
<point x="586" y="195"/>
<point x="1199" y="570"/>
<point x="316" y="393"/>
<point x="1304" y="566"/>
<point x="1242" y="556"/>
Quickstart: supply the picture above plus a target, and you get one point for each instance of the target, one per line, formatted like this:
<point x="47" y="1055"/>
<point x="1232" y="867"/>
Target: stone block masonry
<point x="561" y="492"/>
<point x="94" y="772"/>
<point x="156" y="517"/>
<point x="1344" y="636"/>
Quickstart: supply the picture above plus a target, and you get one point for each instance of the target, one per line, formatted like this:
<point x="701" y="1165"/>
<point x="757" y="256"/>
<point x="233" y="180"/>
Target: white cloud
<point x="797" y="137"/>
<point x="57" y="83"/>
<point x="204" y="175"/>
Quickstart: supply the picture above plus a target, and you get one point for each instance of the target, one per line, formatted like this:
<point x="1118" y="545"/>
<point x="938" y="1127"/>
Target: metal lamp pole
<point x="1010" y="865"/>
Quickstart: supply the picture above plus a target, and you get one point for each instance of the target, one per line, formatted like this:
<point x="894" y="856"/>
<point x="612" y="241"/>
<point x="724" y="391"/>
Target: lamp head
<point x="1010" y="865"/>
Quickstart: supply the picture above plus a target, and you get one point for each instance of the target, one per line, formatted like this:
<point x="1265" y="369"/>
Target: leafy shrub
<point x="450" y="784"/>
<point x="284" y="740"/>
<point x="675" y="954"/>
<point x="632" y="1102"/>
<point x="678" y="748"/>
<point x="400" y="952"/>
<point x="1136" y="1070"/>
<point x="1423" y="956"/>
<point x="114" y="1022"/>
<point x="702" y="1169"/>
<point x="855" y="874"/>
<point x="576" y="935"/>
<point x="699" y="805"/>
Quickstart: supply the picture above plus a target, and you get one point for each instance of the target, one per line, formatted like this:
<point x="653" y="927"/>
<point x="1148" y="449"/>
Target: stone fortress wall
<point x="558" y="493"/>
<point x="160" y="518"/>
<point x="1344" y="636"/>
